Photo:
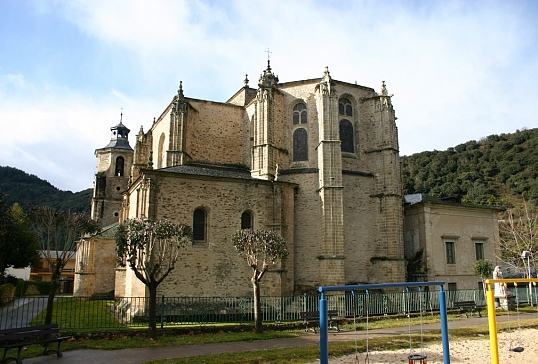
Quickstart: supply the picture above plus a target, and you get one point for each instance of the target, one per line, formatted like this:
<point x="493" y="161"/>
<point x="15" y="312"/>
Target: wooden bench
<point x="311" y="320"/>
<point x="24" y="336"/>
<point x="467" y="306"/>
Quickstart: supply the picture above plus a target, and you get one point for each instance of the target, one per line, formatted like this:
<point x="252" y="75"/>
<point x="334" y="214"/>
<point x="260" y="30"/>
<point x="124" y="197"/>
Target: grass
<point x="87" y="314"/>
<point x="67" y="309"/>
<point x="124" y="341"/>
<point x="307" y="354"/>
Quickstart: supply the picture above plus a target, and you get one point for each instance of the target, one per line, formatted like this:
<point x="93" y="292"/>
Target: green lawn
<point x="83" y="315"/>
<point x="67" y="311"/>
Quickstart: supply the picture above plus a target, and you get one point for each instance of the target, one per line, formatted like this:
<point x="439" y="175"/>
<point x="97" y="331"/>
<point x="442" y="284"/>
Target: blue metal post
<point x="323" y="331"/>
<point x="444" y="325"/>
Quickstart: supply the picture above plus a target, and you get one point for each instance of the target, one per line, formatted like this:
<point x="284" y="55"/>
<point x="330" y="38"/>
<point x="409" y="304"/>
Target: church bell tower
<point x="112" y="177"/>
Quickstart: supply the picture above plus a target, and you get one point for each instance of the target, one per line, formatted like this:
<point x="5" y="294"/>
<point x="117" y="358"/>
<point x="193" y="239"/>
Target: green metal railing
<point x="84" y="313"/>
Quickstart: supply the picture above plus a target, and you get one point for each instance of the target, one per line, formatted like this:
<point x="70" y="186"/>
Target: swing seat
<point x="417" y="358"/>
<point x="517" y="349"/>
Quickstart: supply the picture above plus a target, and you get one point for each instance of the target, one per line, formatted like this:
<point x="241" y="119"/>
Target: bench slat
<point x="17" y="338"/>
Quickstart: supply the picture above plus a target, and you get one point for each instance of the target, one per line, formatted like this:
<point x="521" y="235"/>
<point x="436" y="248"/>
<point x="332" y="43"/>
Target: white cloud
<point x="459" y="70"/>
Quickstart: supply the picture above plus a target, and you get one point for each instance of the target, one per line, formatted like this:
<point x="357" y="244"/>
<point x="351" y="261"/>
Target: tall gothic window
<point x="300" y="145"/>
<point x="246" y="220"/>
<point x="346" y="136"/>
<point x="199" y="226"/>
<point x="299" y="114"/>
<point x="344" y="107"/>
<point x="118" y="171"/>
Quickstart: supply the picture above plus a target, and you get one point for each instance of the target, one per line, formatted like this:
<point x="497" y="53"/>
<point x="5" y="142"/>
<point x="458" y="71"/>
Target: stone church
<point x="316" y="160"/>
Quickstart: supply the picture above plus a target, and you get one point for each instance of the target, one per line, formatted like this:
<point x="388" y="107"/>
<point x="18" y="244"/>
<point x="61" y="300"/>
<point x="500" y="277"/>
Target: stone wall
<point x="213" y="268"/>
<point x="95" y="266"/>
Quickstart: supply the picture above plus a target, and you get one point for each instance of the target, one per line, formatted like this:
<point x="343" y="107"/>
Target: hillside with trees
<point x="30" y="190"/>
<point x="498" y="170"/>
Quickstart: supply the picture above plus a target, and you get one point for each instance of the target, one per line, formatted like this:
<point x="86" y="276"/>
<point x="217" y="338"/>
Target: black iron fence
<point x="84" y="313"/>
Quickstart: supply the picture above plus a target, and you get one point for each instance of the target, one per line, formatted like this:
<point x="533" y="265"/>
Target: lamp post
<point x="527" y="255"/>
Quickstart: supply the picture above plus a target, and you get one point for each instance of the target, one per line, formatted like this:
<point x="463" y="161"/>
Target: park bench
<point x="467" y="306"/>
<point x="311" y="320"/>
<point x="17" y="338"/>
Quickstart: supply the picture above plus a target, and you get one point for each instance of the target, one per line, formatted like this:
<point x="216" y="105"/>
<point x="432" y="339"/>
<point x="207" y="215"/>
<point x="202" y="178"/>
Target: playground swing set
<point x="413" y="357"/>
<point x="419" y="357"/>
<point x="492" y="320"/>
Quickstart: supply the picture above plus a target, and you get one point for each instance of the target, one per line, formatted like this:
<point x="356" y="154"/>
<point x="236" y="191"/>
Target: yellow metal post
<point x="492" y="321"/>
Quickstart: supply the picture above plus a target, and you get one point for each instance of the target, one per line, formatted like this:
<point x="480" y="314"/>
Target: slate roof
<point x="119" y="143"/>
<point x="208" y="170"/>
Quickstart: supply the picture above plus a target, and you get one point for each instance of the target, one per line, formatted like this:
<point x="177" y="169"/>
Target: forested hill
<point x="30" y="190"/>
<point x="496" y="170"/>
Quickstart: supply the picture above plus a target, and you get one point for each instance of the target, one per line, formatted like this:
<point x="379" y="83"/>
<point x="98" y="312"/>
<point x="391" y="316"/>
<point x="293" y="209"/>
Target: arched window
<point x="346" y="136"/>
<point x="246" y="220"/>
<point x="345" y="107"/>
<point x="199" y="226"/>
<point x="300" y="145"/>
<point x="299" y="114"/>
<point x="118" y="171"/>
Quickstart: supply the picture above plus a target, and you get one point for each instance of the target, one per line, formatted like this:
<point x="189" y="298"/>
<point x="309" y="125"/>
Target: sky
<point x="459" y="70"/>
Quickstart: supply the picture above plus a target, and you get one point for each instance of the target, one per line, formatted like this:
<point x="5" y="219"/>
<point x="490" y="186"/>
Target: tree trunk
<point x="54" y="285"/>
<point x="257" y="306"/>
<point x="152" y="311"/>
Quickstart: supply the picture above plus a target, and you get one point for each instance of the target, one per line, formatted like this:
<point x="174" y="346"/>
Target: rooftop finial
<point x="268" y="79"/>
<point x="180" y="90"/>
<point x="268" y="59"/>
<point x="121" y="115"/>
<point x="246" y="81"/>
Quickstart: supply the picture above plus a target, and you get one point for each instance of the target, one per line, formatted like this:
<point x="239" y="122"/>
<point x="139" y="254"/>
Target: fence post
<point x="162" y="311"/>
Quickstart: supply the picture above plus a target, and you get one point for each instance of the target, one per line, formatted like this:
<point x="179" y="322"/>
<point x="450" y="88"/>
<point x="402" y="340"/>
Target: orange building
<point x="42" y="272"/>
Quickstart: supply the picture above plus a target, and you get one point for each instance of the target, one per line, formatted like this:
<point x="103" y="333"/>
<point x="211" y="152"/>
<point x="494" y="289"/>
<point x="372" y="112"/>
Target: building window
<point x="246" y="220"/>
<point x="346" y="136"/>
<point x="344" y="107"/>
<point x="452" y="286"/>
<point x="299" y="114"/>
<point x="199" y="226"/>
<point x="119" y="167"/>
<point x="450" y="253"/>
<point x="300" y="145"/>
<point x="479" y="250"/>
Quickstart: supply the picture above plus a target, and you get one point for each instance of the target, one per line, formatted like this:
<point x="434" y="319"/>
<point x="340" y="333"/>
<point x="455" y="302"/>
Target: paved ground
<point x="21" y="311"/>
<point x="134" y="356"/>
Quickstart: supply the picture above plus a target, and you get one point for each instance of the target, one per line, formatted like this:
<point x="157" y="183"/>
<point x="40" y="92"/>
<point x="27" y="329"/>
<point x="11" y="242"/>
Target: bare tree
<point x="58" y="232"/>
<point x="518" y="233"/>
<point x="151" y="249"/>
<point x="260" y="248"/>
